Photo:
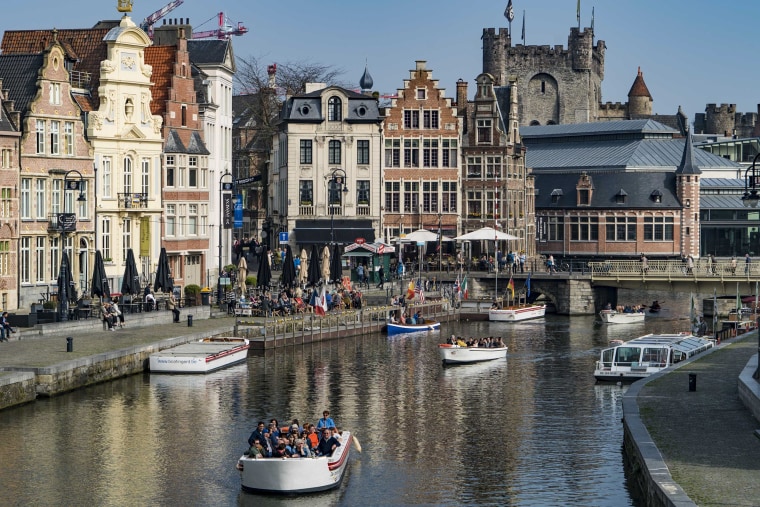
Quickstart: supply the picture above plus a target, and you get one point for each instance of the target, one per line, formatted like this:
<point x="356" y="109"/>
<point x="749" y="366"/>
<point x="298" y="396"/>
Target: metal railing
<point x="701" y="269"/>
<point x="307" y="211"/>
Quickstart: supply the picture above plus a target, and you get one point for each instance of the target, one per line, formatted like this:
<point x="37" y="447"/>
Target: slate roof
<point x="173" y="143"/>
<point x="307" y="107"/>
<point x="196" y="146"/>
<point x="6" y="125"/>
<point x="20" y="74"/>
<point x="204" y="52"/>
<point x="86" y="44"/>
<point x="630" y="145"/>
<point x="606" y="186"/>
<point x="687" y="165"/>
<point x="162" y="58"/>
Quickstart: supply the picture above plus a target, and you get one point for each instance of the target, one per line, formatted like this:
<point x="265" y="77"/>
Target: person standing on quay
<point x="747" y="261"/>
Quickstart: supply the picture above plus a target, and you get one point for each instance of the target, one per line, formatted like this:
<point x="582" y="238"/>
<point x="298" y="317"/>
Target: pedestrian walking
<point x="522" y="261"/>
<point x="712" y="263"/>
<point x="747" y="261"/>
<point x="381" y="275"/>
<point x="117" y="312"/>
<point x="733" y="265"/>
<point x="644" y="263"/>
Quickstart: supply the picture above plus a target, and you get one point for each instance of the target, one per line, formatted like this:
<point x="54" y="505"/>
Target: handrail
<point x="658" y="269"/>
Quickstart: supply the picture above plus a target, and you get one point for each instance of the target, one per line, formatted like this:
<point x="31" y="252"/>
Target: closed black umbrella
<point x="163" y="274"/>
<point x="264" y="275"/>
<point x="336" y="268"/>
<point x="99" y="286"/>
<point x="288" y="269"/>
<point x="130" y="284"/>
<point x="65" y="282"/>
<point x="314" y="274"/>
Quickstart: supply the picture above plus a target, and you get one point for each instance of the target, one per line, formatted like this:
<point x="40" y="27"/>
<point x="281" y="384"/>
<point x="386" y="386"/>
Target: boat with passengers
<point x="646" y="355"/>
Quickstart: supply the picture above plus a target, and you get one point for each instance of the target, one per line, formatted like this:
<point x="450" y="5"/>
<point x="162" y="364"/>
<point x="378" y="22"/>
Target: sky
<point x="691" y="52"/>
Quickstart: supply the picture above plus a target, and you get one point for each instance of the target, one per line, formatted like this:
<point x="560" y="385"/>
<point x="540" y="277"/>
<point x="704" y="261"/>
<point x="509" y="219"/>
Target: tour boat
<point x="455" y="354"/>
<point x="295" y="475"/>
<point x="203" y="356"/>
<point x="615" y="317"/>
<point x="428" y="325"/>
<point x="648" y="354"/>
<point x="516" y="313"/>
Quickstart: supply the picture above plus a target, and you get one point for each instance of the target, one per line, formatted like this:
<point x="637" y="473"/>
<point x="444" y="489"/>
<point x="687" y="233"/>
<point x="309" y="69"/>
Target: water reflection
<point x="533" y="429"/>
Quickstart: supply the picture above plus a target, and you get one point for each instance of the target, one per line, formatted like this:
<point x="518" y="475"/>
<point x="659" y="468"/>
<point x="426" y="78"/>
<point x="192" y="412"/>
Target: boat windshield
<point x="655" y="356"/>
<point x="624" y="356"/>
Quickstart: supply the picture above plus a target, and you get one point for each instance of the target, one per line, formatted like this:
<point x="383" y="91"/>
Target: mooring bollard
<point x="69" y="344"/>
<point x="189" y="321"/>
<point x="692" y="381"/>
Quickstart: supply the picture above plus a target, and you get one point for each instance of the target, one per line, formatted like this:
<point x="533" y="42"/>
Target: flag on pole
<point x="511" y="286"/>
<point x="321" y="307"/>
<point x="410" y="291"/>
<point x="523" y="29"/>
<point x="464" y="288"/>
<point x="578" y="13"/>
<point x="419" y="292"/>
<point x="592" y="19"/>
<point x="509" y="13"/>
<point x="527" y="286"/>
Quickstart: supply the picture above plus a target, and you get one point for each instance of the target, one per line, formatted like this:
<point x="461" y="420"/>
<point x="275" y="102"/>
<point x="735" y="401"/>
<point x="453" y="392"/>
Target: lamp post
<point x="751" y="198"/>
<point x="337" y="178"/>
<point x="223" y="224"/>
<point x="68" y="222"/>
<point x="440" y="216"/>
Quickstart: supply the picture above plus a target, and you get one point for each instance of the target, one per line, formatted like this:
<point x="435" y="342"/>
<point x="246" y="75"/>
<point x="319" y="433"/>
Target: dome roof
<point x="366" y="82"/>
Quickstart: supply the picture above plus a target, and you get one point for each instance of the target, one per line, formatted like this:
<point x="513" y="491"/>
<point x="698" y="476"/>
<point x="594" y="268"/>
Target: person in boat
<point x="402" y="319"/>
<point x="327" y="444"/>
<point x="326" y="422"/>
<point x="608" y="306"/>
<point x="267" y="448"/>
<point x="256" y="451"/>
<point x="461" y="342"/>
<point x="655" y="306"/>
<point x="257" y="434"/>
<point x="495" y="306"/>
<point x="312" y="437"/>
<point x="301" y="450"/>
<point x="418" y="318"/>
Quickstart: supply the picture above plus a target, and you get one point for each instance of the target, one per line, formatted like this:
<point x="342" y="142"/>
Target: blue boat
<point x="428" y="325"/>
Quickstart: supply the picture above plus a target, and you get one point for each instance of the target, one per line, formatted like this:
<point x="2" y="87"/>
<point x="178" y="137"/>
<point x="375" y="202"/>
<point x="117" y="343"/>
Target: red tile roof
<point x="162" y="59"/>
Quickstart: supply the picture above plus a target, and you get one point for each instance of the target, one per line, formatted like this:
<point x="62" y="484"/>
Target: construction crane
<point x="147" y="24"/>
<point x="225" y="31"/>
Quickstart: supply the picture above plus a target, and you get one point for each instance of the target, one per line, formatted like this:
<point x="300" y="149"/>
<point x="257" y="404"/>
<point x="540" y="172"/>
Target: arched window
<point x="334" y="109"/>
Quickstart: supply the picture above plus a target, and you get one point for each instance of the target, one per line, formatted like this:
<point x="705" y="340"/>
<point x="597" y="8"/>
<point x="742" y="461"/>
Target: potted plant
<point x="192" y="295"/>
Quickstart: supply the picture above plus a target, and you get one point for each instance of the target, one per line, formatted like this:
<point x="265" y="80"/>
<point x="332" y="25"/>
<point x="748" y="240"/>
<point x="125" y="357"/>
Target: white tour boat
<point x="648" y="354"/>
<point x="455" y="354"/>
<point x="203" y="356"/>
<point x="615" y="317"/>
<point x="516" y="313"/>
<point x="295" y="475"/>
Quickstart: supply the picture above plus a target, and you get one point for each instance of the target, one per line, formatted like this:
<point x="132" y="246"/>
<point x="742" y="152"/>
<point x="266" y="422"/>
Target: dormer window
<point x="583" y="189"/>
<point x="621" y="196"/>
<point x="305" y="110"/>
<point x="334" y="109"/>
<point x="556" y="195"/>
<point x="656" y="196"/>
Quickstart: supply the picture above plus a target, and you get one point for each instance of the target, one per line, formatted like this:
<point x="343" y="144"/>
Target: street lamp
<point x="750" y="199"/>
<point x="67" y="222"/>
<point x="338" y="186"/>
<point x="224" y="223"/>
<point x="440" y="267"/>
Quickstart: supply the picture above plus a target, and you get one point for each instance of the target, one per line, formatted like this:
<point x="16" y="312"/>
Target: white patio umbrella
<point x="420" y="235"/>
<point x="486" y="233"/>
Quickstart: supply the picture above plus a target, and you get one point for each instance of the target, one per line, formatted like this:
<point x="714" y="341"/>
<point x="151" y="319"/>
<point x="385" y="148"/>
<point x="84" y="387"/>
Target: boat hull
<point x="295" y="475"/>
<point x="517" y="313"/>
<point x="613" y="317"/>
<point x="429" y="325"/>
<point x="454" y="354"/>
<point x="204" y="356"/>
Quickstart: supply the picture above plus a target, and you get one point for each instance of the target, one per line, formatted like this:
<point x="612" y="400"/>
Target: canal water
<point x="533" y="429"/>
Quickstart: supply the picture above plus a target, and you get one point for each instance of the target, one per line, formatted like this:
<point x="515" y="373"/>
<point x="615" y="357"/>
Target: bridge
<point x="584" y="288"/>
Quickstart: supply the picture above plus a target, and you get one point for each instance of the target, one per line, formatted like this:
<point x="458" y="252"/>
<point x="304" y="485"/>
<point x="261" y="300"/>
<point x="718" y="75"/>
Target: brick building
<point x="10" y="150"/>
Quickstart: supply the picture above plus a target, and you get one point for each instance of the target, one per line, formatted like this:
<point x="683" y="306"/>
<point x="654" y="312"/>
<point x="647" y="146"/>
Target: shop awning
<point x="345" y="231"/>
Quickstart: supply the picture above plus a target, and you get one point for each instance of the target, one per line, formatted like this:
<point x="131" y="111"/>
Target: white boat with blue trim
<point x="427" y="325"/>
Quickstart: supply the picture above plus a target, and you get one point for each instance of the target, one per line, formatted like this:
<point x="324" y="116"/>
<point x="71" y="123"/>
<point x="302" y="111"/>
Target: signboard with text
<point x="67" y="222"/>
<point x="238" y="211"/>
<point x="227" y="211"/>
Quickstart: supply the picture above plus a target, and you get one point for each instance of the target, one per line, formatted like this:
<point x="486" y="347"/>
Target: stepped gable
<point x="85" y="47"/>
<point x="162" y="59"/>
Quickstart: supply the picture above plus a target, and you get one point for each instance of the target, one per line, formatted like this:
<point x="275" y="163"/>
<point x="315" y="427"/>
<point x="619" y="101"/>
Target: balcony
<point x="362" y="210"/>
<point x="62" y="222"/>
<point x="132" y="200"/>
<point x="306" y="210"/>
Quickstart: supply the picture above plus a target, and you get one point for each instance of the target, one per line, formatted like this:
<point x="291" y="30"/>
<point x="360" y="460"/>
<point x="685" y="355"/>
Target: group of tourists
<point x="294" y="440"/>
<point x="489" y="342"/>
<point x="111" y="314"/>
<point x="402" y="316"/>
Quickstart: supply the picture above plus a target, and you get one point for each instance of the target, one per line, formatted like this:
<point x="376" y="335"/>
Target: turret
<point x="639" y="98"/>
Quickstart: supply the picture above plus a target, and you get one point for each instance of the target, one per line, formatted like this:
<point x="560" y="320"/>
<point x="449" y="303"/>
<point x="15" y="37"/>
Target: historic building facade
<point x="422" y="135"/>
<point x="10" y="150"/>
<point x="325" y="177"/>
<point x="497" y="189"/>
<point x="55" y="178"/>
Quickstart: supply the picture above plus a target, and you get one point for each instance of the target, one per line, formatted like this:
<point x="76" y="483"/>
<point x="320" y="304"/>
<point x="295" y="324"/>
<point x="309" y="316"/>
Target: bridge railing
<point x="675" y="268"/>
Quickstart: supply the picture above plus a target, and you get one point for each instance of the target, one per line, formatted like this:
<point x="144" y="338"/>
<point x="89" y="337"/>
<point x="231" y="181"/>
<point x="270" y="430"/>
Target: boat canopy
<point x="692" y="345"/>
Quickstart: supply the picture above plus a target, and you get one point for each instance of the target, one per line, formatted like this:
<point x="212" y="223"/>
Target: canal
<point x="533" y="429"/>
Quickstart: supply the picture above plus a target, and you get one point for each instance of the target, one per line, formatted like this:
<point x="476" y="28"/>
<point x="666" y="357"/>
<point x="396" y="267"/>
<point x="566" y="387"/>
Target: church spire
<point x="687" y="165"/>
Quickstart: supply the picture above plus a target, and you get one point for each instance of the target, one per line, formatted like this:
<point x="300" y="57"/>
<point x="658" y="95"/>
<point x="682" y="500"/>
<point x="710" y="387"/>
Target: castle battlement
<point x="616" y="106"/>
<point x="723" y="108"/>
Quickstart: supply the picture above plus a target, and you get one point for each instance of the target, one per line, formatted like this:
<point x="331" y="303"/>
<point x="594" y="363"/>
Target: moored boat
<point x="455" y="354"/>
<point x="295" y="475"/>
<point x="516" y="313"/>
<point x="648" y="354"/>
<point x="615" y="317"/>
<point x="204" y="356"/>
<point x="397" y="328"/>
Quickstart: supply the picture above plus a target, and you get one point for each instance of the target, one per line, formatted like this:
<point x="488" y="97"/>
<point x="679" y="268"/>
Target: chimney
<point x="461" y="97"/>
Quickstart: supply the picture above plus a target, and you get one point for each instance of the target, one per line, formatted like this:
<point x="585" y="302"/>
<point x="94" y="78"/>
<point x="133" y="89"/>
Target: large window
<point x="55" y="94"/>
<point x="362" y="152"/>
<point x="484" y="131"/>
<point x="170" y="170"/>
<point x="25" y="206"/>
<point x="56" y="199"/>
<point x="449" y="153"/>
<point x="430" y="119"/>
<point x="584" y="228"/>
<point x="39" y="258"/>
<point x="411" y="196"/>
<point x="40" y="131"/>
<point x="493" y="167"/>
<point x="5" y="202"/>
<point x="411" y="119"/>
<point x="306" y="192"/>
<point x="658" y="228"/>
<point x="333" y="152"/>
<point x="430" y="196"/>
<point x="55" y="131"/>
<point x="362" y="192"/>
<point x="5" y="254"/>
<point x="392" y="196"/>
<point x="171" y="220"/>
<point x="68" y="138"/>
<point x="555" y="228"/>
<point x="474" y="204"/>
<point x="25" y="259"/>
<point x="430" y="153"/>
<point x="192" y="174"/>
<point x="6" y="157"/>
<point x="334" y="109"/>
<point x="107" y="176"/>
<point x="393" y="153"/>
<point x="127" y="175"/>
<point x="449" y="197"/>
<point x="55" y="257"/>
<point x="82" y="209"/>
<point x="621" y="228"/>
<point x="126" y="236"/>
<point x="306" y="151"/>
<point x="39" y="194"/>
<point x="192" y="220"/>
<point x="145" y="179"/>
<point x="105" y="244"/>
<point x="474" y="167"/>
<point x="411" y="152"/>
